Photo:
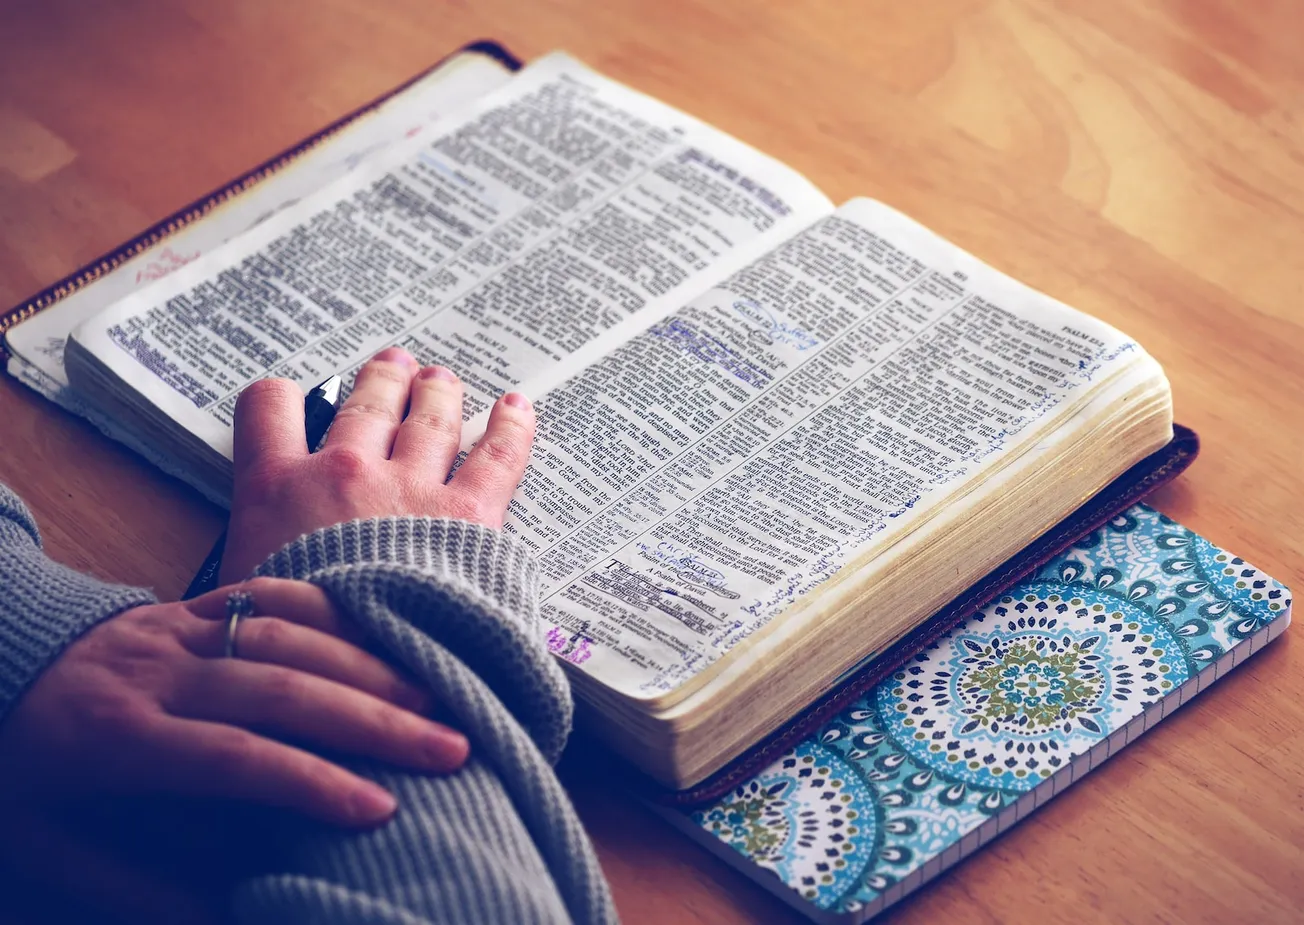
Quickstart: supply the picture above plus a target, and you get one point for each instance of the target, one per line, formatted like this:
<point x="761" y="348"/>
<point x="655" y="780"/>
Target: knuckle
<point x="153" y="619"/>
<point x="503" y="450"/>
<point x="519" y="433"/>
<point x="343" y="466"/>
<point x="263" y="586"/>
<point x="265" y="636"/>
<point x="463" y="506"/>
<point x="517" y="426"/>
<point x="228" y="757"/>
<point x="366" y="409"/>
<point x="282" y="690"/>
<point x="137" y="644"/>
<point x="266" y="389"/>
<point x="440" y="424"/>
<point x="440" y="379"/>
<point x="390" y="371"/>
<point x="202" y="639"/>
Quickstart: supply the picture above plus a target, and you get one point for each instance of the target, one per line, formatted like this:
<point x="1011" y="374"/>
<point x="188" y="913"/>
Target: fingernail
<point x="373" y="804"/>
<point x="516" y="400"/>
<point x="446" y="750"/>
<point x="439" y="372"/>
<point x="397" y="355"/>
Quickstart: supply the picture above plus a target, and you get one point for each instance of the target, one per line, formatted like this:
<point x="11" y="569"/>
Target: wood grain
<point x="1143" y="161"/>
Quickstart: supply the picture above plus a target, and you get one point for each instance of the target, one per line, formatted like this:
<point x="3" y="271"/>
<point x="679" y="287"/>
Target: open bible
<point x="775" y="435"/>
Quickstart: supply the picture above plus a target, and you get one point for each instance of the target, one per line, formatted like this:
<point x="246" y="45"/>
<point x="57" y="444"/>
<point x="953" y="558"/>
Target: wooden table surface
<point x="1141" y="160"/>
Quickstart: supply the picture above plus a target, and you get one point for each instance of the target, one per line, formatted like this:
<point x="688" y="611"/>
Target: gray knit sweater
<point x="455" y="603"/>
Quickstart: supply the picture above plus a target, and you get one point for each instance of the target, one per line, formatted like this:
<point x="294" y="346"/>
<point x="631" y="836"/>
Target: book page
<point x="37" y="344"/>
<point x="712" y="471"/>
<point x="540" y="225"/>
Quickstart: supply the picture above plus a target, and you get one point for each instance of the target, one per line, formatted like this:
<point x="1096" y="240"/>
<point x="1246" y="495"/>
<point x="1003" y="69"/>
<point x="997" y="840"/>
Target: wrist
<point x="45" y="607"/>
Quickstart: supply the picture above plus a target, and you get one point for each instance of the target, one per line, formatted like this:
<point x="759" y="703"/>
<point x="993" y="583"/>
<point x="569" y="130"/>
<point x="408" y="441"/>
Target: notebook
<point x="1020" y="701"/>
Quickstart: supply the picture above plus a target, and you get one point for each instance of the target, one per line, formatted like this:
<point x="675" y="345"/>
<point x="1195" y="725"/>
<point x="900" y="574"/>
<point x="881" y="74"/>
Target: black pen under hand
<point x="319" y="407"/>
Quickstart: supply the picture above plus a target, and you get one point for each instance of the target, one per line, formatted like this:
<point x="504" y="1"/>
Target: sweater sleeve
<point x="44" y="606"/>
<point x="456" y="604"/>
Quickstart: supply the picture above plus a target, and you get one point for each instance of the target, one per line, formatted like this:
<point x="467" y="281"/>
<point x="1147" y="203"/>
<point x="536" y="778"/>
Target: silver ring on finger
<point x="239" y="604"/>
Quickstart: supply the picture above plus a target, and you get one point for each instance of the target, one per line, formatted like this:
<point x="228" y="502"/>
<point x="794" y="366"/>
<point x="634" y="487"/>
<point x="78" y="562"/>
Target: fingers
<point x="211" y="759"/>
<point x="495" y="465"/>
<point x="268" y="423"/>
<point x="302" y="707"/>
<point x="296" y="626"/>
<point x="296" y="601"/>
<point x="271" y="641"/>
<point x="371" y="416"/>
<point x="429" y="436"/>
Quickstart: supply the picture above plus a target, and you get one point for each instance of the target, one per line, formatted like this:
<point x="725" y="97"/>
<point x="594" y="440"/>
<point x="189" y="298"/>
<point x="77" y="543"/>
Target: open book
<point x="774" y="434"/>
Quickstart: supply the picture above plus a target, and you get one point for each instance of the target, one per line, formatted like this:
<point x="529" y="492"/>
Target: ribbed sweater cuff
<point x="469" y="555"/>
<point x="45" y="605"/>
<point x="470" y="589"/>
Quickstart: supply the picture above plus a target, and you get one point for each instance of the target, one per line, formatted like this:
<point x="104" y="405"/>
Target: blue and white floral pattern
<point x="995" y="707"/>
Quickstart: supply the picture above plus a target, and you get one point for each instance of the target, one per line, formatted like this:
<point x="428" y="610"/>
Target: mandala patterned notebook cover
<point x="996" y="718"/>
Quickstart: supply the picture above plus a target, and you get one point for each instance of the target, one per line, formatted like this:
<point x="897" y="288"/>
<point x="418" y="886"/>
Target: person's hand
<point x="148" y="702"/>
<point x="388" y="453"/>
